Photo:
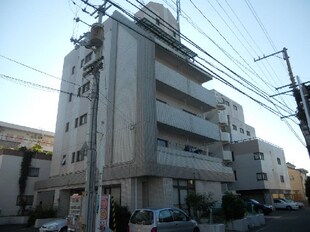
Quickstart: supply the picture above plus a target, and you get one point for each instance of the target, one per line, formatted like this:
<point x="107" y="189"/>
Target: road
<point x="278" y="221"/>
<point x="287" y="221"/>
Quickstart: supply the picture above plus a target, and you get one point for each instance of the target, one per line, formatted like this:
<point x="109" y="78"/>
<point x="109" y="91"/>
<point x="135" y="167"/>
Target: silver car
<point x="57" y="225"/>
<point x="161" y="220"/>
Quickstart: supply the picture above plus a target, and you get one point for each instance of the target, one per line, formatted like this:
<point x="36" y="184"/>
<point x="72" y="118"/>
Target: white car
<point x="300" y="204"/>
<point x="59" y="225"/>
<point x="282" y="204"/>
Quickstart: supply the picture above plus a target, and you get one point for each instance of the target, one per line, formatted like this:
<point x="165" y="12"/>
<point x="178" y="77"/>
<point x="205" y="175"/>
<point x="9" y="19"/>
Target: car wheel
<point x="289" y="207"/>
<point x="196" y="230"/>
<point x="65" y="229"/>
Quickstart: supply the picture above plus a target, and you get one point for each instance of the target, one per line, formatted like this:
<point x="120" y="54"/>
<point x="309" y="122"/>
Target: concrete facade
<point x="297" y="178"/>
<point x="153" y="133"/>
<point x="14" y="136"/>
<point x="10" y="165"/>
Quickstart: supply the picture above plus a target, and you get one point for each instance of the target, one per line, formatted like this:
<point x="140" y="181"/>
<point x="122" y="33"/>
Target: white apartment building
<point x="15" y="136"/>
<point x="10" y="166"/>
<point x="153" y="134"/>
<point x="259" y="167"/>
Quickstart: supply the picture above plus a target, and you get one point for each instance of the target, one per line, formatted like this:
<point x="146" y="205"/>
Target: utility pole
<point x="301" y="103"/>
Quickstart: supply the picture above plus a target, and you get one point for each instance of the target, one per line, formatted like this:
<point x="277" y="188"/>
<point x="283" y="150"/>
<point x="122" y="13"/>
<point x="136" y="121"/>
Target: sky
<point x="36" y="34"/>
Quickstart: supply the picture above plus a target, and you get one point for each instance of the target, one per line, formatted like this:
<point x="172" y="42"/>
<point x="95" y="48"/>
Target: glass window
<point x="83" y="119"/>
<point x="88" y="57"/>
<point x="67" y="127"/>
<point x="70" y="97"/>
<point x="259" y="156"/>
<point x="73" y="70"/>
<point x="248" y="133"/>
<point x="178" y="215"/>
<point x="82" y="63"/>
<point x="33" y="172"/>
<point x="165" y="216"/>
<point x="241" y="131"/>
<point x="86" y="87"/>
<point x="142" y="217"/>
<point x="279" y="161"/>
<point x="63" y="161"/>
<point x="235" y="107"/>
<point x="282" y="178"/>
<point x="162" y="142"/>
<point x="73" y="157"/>
<point x="234" y="127"/>
<point x="261" y="176"/>
<point x="76" y="122"/>
<point x="181" y="188"/>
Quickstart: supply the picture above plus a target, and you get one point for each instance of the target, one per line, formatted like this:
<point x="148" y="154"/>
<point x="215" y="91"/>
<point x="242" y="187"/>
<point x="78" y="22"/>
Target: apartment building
<point x="154" y="136"/>
<point x="297" y="178"/>
<point x="15" y="136"/>
<point x="10" y="166"/>
<point x="259" y="167"/>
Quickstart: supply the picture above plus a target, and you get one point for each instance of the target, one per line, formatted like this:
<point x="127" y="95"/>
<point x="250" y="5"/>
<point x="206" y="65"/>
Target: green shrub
<point x="41" y="212"/>
<point x="233" y="207"/>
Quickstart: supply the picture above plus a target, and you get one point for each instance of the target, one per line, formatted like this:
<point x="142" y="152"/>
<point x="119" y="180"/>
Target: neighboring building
<point x="260" y="170"/>
<point x="153" y="129"/>
<point x="259" y="166"/>
<point x="10" y="166"/>
<point x="297" y="180"/>
<point x="15" y="136"/>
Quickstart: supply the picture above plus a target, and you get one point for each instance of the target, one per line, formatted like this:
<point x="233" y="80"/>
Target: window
<point x="282" y="179"/>
<point x="33" y="172"/>
<point x="78" y="156"/>
<point x="88" y="57"/>
<point x="233" y="156"/>
<point x="76" y="122"/>
<point x="73" y="157"/>
<point x="67" y="127"/>
<point x="259" y="156"/>
<point x="248" y="133"/>
<point x="63" y="161"/>
<point x="157" y="22"/>
<point x="27" y="199"/>
<point x="73" y="70"/>
<point x="162" y="143"/>
<point x="235" y="173"/>
<point x="234" y="127"/>
<point x="86" y="87"/>
<point x="179" y="216"/>
<point x="226" y="102"/>
<point x="241" y="131"/>
<point x="70" y="97"/>
<point x="165" y="216"/>
<point x="279" y="161"/>
<point x="83" y="119"/>
<point x="181" y="189"/>
<point x="82" y="63"/>
<point x="235" y="107"/>
<point x="174" y="34"/>
<point x="261" y="176"/>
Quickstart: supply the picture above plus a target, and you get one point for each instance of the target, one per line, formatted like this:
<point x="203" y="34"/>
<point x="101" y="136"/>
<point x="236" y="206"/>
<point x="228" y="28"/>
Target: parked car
<point x="300" y="204"/>
<point x="260" y="208"/>
<point x="282" y="204"/>
<point x="59" y="225"/>
<point x="161" y="220"/>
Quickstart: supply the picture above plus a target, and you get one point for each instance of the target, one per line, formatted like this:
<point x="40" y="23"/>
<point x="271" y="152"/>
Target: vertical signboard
<point x="104" y="212"/>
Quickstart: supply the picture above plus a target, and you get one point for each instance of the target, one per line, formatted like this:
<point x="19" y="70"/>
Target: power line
<point x="37" y="70"/>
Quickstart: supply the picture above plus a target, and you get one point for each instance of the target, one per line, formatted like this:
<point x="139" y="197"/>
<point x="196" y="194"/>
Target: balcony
<point x="180" y="120"/>
<point x="171" y="82"/>
<point x="227" y="156"/>
<point x="178" y="158"/>
<point x="225" y="137"/>
<point x="222" y="117"/>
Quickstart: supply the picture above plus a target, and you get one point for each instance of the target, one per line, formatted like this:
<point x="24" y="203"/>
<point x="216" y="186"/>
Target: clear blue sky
<point x="37" y="33"/>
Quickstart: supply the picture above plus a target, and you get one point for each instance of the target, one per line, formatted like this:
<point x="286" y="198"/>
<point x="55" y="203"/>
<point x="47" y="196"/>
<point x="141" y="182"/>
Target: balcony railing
<point x="181" y="120"/>
<point x="182" y="84"/>
<point x="178" y="158"/>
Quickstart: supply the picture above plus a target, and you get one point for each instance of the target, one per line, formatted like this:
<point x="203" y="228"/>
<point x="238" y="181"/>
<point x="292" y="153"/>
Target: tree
<point x="233" y="206"/>
<point x="307" y="188"/>
<point x="200" y="204"/>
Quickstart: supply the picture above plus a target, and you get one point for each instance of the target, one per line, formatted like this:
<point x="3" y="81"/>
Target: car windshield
<point x="142" y="217"/>
<point x="254" y="201"/>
